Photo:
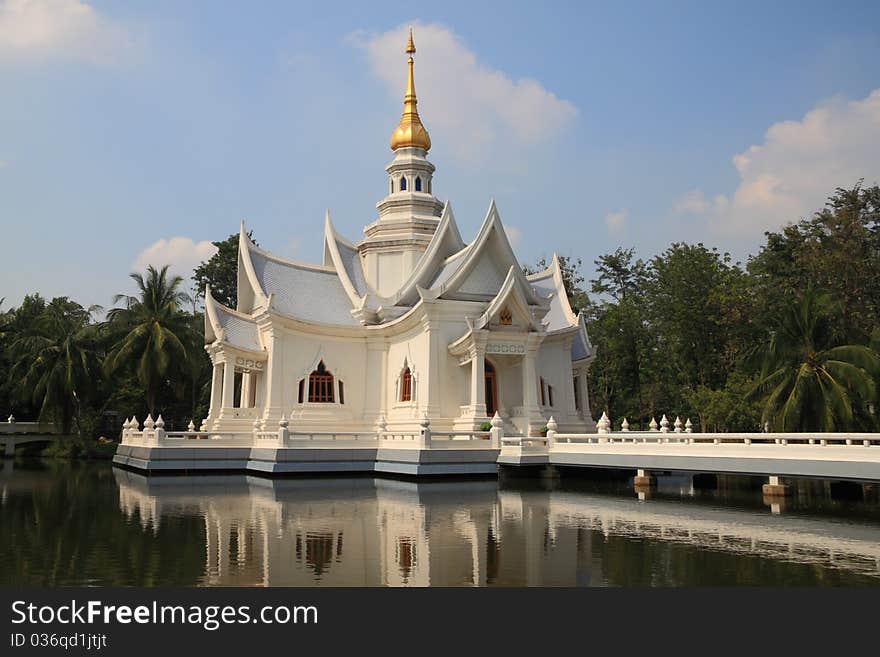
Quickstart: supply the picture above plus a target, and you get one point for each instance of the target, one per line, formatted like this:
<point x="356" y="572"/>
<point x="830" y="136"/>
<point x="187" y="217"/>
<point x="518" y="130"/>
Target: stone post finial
<point x="382" y="423"/>
<point x="688" y="427"/>
<point x="283" y="431"/>
<point x="653" y="425"/>
<point x="678" y="424"/>
<point x="425" y="432"/>
<point x="496" y="433"/>
<point x="625" y="425"/>
<point x="149" y="423"/>
<point x="204" y="425"/>
<point x="11" y="419"/>
<point x="191" y="426"/>
<point x="552" y="428"/>
<point x="603" y="424"/>
<point x="160" y="423"/>
<point x="664" y="424"/>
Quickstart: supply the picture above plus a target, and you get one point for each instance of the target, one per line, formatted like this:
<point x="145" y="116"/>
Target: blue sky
<point x="593" y="125"/>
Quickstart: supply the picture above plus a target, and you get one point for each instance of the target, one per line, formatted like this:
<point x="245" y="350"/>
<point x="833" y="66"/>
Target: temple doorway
<point x="491" y="389"/>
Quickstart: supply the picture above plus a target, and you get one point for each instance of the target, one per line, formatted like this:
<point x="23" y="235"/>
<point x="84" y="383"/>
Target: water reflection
<point x="290" y="532"/>
<point x="91" y="524"/>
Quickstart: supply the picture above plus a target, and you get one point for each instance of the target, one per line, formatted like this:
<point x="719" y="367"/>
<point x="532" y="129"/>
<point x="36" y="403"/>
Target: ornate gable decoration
<point x="505" y="317"/>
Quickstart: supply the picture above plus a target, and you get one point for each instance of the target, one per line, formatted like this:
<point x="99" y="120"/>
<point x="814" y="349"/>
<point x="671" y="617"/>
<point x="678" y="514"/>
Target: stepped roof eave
<point x="231" y="327"/>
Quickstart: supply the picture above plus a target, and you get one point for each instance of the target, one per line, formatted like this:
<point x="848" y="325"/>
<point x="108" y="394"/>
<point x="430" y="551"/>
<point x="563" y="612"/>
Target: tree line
<point x="789" y="341"/>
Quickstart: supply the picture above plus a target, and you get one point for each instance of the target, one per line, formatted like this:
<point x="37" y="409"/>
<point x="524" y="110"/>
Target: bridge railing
<point x="631" y="437"/>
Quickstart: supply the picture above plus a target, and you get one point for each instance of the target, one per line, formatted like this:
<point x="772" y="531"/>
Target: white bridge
<point x="13" y="434"/>
<point x="838" y="456"/>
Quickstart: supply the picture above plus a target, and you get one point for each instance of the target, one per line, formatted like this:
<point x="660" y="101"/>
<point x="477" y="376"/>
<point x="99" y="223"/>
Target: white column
<point x="273" y="403"/>
<point x="531" y="410"/>
<point x="216" y="390"/>
<point x="478" y="383"/>
<point x="228" y="386"/>
<point x="247" y="382"/>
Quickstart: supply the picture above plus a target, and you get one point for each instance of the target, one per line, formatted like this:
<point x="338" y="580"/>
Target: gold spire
<point x="410" y="131"/>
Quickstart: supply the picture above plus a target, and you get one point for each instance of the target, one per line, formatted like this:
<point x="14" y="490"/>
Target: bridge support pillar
<point x="644" y="479"/>
<point x="775" y="488"/>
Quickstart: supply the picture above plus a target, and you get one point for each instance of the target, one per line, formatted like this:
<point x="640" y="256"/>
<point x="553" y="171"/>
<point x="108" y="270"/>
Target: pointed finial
<point x="552" y="424"/>
<point x="410" y="132"/>
<point x="688" y="427"/>
<point x="160" y="423"/>
<point x="677" y="424"/>
<point x="625" y="425"/>
<point x="497" y="422"/>
<point x="653" y="425"/>
<point x="191" y="426"/>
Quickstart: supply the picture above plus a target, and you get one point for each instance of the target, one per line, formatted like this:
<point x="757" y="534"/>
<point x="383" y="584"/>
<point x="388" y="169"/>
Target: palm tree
<point x="153" y="331"/>
<point x="811" y="382"/>
<point x="57" y="359"/>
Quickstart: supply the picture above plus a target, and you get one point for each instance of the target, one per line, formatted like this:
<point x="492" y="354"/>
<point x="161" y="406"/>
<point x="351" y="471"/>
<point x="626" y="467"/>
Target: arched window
<point x="543" y="392"/>
<point x="418" y="184"/>
<point x="402" y="184"/>
<point x="321" y="385"/>
<point x="406" y="385"/>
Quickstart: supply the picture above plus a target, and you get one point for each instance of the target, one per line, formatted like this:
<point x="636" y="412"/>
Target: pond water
<point x="92" y="524"/>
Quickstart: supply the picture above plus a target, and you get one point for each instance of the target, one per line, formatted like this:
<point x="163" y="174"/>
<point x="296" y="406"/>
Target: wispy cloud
<point x="616" y="221"/>
<point x="182" y="254"/>
<point x="797" y="166"/>
<point x="70" y="28"/>
<point x="463" y="102"/>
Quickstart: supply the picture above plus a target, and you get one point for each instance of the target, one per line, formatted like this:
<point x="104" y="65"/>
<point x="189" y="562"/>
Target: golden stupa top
<point x="410" y="131"/>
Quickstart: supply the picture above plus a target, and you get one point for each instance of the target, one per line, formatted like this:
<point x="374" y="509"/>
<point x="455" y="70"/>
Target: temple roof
<point x="229" y="326"/>
<point x="313" y="293"/>
<point x="337" y="293"/>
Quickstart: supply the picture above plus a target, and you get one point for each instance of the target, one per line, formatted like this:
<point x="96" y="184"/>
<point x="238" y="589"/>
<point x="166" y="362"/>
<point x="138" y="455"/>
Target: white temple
<point x="406" y="324"/>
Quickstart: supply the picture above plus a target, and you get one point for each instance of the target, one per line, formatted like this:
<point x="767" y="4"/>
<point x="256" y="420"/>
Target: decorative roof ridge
<point x="492" y="220"/>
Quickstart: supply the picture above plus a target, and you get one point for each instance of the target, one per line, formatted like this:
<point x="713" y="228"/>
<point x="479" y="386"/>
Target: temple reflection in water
<point x="370" y="532"/>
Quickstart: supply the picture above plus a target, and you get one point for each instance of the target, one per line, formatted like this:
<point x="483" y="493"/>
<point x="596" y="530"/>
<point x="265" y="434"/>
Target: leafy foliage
<point x="220" y="271"/>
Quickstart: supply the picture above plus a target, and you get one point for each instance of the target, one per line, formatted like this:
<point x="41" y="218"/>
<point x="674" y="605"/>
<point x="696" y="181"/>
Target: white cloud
<point x="41" y="28"/>
<point x="182" y="254"/>
<point x="616" y="221"/>
<point x="514" y="235"/>
<point x="463" y="102"/>
<point x="799" y="164"/>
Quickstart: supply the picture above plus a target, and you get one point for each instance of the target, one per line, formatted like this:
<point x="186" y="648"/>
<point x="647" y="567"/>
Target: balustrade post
<point x="283" y="431"/>
<point x="160" y="429"/>
<point x="497" y="431"/>
<point x="552" y="428"/>
<point x="425" y="432"/>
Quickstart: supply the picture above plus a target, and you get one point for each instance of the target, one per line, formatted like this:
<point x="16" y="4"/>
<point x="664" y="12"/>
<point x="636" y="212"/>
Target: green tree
<point x="810" y="380"/>
<point x="152" y="332"/>
<point x="837" y="249"/>
<point x="56" y="358"/>
<point x="220" y="271"/>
